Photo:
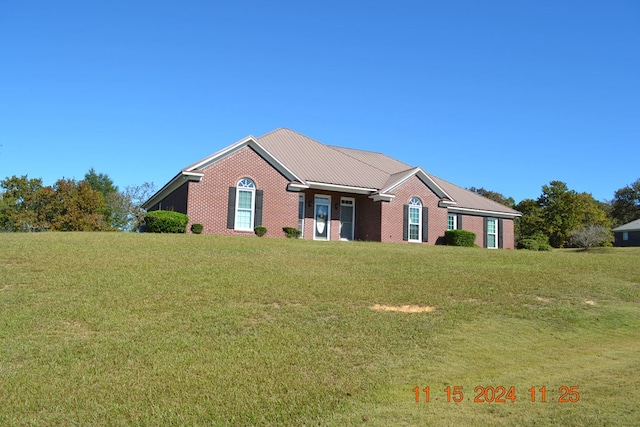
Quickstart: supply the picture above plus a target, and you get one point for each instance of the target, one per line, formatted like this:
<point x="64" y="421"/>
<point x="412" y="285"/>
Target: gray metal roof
<point x="631" y="226"/>
<point x="313" y="161"/>
<point x="309" y="161"/>
<point x="469" y="200"/>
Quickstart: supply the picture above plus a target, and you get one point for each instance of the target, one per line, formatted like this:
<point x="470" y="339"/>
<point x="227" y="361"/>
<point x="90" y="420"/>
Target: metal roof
<point x="631" y="226"/>
<point x="310" y="162"/>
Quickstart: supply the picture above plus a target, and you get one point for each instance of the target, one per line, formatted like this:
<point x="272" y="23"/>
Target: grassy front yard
<point x="111" y="328"/>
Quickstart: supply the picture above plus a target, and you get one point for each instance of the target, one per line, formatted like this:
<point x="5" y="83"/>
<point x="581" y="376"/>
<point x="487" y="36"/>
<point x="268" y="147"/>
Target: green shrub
<point x="196" y="228"/>
<point x="292" y="232"/>
<point x="529" y="244"/>
<point x="260" y="230"/>
<point x="460" y="238"/>
<point x="166" y="222"/>
<point x="536" y="242"/>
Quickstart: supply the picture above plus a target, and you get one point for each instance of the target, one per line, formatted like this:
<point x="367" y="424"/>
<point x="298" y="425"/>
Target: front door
<point x="347" y="216"/>
<point x="322" y="218"/>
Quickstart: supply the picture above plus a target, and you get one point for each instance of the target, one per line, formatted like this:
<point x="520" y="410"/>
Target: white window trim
<point x="328" y="222"/>
<point x="414" y="205"/>
<point x="252" y="190"/>
<point x="497" y="223"/>
<point x="353" y="216"/>
<point x="455" y="222"/>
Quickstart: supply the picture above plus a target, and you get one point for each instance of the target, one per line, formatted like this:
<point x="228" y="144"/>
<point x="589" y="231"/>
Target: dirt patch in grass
<point x="404" y="308"/>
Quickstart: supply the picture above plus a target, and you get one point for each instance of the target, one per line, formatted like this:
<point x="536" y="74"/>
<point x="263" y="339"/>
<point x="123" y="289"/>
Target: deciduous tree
<point x="22" y="204"/>
<point x="76" y="206"/>
<point x="625" y="206"/>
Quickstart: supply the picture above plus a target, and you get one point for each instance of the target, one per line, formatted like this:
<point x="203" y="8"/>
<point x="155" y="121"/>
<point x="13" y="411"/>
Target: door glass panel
<point x="322" y="218"/>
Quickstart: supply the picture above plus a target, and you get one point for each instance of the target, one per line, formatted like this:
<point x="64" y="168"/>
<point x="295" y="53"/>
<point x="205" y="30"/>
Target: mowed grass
<point x="128" y="329"/>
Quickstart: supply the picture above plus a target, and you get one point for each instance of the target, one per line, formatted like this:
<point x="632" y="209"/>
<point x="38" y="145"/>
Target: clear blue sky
<point x="502" y="94"/>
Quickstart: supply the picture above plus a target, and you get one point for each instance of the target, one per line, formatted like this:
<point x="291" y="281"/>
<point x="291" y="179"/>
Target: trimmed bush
<point x="196" y="228"/>
<point x="537" y="242"/>
<point x="529" y="244"/>
<point x="460" y="238"/>
<point x="260" y="230"/>
<point x="292" y="232"/>
<point x="166" y="222"/>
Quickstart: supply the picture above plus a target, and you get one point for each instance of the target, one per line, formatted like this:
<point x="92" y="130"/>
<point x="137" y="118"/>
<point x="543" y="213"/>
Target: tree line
<point x="96" y="204"/>
<point x="91" y="204"/>
<point x="560" y="213"/>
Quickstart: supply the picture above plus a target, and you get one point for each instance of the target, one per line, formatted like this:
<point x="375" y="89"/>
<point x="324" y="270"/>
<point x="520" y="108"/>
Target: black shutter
<point x="459" y="222"/>
<point x="425" y="224"/>
<point x="500" y="238"/>
<point x="485" y="233"/>
<point x="259" y="197"/>
<point x="405" y="222"/>
<point x="231" y="208"/>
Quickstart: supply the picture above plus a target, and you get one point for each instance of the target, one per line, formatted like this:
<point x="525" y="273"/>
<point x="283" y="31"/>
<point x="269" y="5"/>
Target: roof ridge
<point x="335" y="148"/>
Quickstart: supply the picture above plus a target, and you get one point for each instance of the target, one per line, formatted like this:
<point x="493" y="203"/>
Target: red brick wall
<point x="208" y="199"/>
<point x="508" y="234"/>
<point x="392" y="212"/>
<point x="206" y="203"/>
<point x="476" y="224"/>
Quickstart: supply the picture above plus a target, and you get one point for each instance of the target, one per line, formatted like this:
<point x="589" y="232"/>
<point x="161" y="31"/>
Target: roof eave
<point x="428" y="181"/>
<point x="382" y="197"/>
<point x="254" y="144"/>
<point x="296" y="186"/>
<point x="484" y="212"/>
<point x="339" y="188"/>
<point x="171" y="186"/>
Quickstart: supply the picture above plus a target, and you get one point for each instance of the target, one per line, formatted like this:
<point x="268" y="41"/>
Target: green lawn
<point x="112" y="329"/>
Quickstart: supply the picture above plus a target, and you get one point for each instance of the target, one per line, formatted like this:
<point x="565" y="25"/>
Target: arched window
<point x="415" y="220"/>
<point x="245" y="205"/>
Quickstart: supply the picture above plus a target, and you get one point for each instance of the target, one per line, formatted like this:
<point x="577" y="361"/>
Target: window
<point x="245" y="196"/>
<point x="347" y="216"/>
<point x="453" y="222"/>
<point x="625" y="235"/>
<point x="415" y="219"/>
<point x="492" y="233"/>
<point x="301" y="214"/>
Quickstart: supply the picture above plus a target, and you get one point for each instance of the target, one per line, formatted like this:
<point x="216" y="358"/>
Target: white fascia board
<point x="339" y="188"/>
<point x="422" y="175"/>
<point x="222" y="153"/>
<point x="273" y="161"/>
<point x="432" y="184"/>
<point x="295" y="186"/>
<point x="253" y="143"/>
<point x="482" y="212"/>
<point x="171" y="186"/>
<point x="382" y="197"/>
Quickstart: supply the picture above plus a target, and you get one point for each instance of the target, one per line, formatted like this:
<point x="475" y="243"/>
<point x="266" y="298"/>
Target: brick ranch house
<point x="285" y="179"/>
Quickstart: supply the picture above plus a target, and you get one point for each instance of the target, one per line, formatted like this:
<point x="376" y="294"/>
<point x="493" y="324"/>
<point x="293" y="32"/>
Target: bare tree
<point x="135" y="196"/>
<point x="590" y="236"/>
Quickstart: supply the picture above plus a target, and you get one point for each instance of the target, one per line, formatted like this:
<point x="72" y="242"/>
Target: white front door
<point x="322" y="218"/>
